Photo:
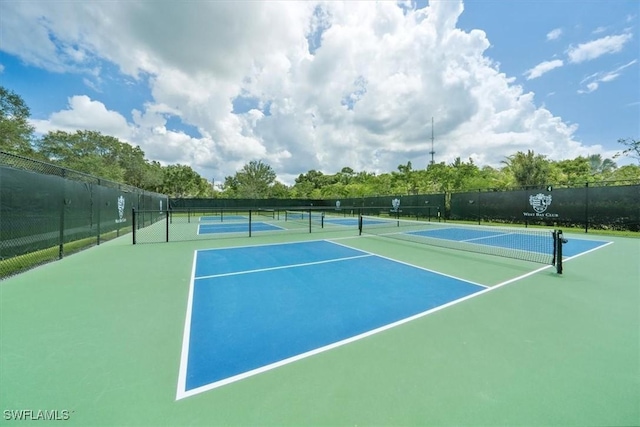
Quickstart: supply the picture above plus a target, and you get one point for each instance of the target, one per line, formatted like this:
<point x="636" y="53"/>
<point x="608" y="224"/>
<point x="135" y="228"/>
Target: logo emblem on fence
<point x="396" y="204"/>
<point x="338" y="205"/>
<point x="121" y="217"/>
<point x="540" y="202"/>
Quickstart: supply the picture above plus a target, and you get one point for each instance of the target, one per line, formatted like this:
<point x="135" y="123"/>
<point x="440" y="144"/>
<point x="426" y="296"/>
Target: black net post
<point x="560" y="242"/>
<point x="309" y="211"/>
<point x="249" y="222"/>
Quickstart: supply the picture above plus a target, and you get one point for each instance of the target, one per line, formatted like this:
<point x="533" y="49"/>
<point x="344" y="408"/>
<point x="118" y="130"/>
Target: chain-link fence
<point x="47" y="211"/>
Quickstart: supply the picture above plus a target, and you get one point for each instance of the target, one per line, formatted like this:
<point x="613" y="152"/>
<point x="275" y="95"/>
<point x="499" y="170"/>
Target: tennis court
<point x="371" y="328"/>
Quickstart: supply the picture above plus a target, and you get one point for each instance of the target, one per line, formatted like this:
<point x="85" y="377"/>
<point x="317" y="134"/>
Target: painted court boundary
<point x="181" y="391"/>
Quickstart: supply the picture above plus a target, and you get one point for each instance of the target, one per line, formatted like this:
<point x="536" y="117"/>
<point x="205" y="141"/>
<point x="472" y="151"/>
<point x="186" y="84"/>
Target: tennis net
<point x="266" y="213"/>
<point x="536" y="245"/>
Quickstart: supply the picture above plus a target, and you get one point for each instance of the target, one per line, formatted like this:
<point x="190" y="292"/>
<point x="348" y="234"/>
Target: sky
<point x="324" y="85"/>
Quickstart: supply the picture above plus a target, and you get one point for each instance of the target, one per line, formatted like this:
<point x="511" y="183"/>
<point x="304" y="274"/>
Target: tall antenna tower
<point x="432" y="152"/>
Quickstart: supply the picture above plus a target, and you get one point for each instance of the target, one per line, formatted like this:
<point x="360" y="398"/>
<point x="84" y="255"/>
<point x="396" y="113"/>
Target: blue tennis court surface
<point x="254" y="308"/>
<point x="513" y="239"/>
<point x="226" y="227"/>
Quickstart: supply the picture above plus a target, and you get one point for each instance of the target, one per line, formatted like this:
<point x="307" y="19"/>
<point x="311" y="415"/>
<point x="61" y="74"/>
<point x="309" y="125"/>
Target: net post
<point x="322" y="220"/>
<point x="359" y="223"/>
<point x="560" y="243"/>
<point x="250" y="225"/>
<point x="309" y="220"/>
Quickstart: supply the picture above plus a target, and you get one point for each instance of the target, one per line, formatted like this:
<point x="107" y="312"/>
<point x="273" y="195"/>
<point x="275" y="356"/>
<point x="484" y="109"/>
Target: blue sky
<point x="323" y="85"/>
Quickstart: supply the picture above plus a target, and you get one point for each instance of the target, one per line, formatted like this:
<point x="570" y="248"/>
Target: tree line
<point x="109" y="158"/>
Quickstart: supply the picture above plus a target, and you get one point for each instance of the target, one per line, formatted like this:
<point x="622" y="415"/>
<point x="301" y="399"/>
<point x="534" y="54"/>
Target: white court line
<point x="487" y="237"/>
<point x="184" y="354"/>
<point x="414" y="266"/>
<point x="183" y="393"/>
<point x="586" y="252"/>
<point x="280" y="267"/>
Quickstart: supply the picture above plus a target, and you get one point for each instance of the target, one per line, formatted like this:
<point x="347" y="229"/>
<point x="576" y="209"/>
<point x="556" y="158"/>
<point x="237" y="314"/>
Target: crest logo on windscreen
<point x="338" y="205"/>
<point x="540" y="202"/>
<point x="121" y="217"/>
<point x="396" y="204"/>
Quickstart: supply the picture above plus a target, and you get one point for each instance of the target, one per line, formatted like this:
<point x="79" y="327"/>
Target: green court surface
<point x="97" y="338"/>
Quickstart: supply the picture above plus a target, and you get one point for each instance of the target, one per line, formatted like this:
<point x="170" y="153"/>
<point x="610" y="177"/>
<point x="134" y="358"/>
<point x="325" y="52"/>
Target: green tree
<point x="230" y="187"/>
<point x="254" y="180"/>
<point x="573" y="171"/>
<point x="152" y="176"/>
<point x="528" y="169"/>
<point x="345" y="175"/>
<point x="306" y="183"/>
<point x="405" y="179"/>
<point x="16" y="133"/>
<point x="182" y="181"/>
<point x="279" y="191"/>
<point x="627" y="172"/>
<point x="84" y="151"/>
<point x="598" y="165"/>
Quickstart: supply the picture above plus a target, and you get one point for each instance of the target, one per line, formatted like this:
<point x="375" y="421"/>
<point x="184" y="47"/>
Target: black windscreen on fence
<point x="30" y="211"/>
<point x="44" y="207"/>
<point x="617" y="207"/>
<point x="423" y="205"/>
<point x="588" y="206"/>
<point x="47" y="211"/>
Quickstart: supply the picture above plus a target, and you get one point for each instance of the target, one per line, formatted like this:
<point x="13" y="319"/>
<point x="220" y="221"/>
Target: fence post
<point x="64" y="202"/>
<point x="167" y="225"/>
<point x="586" y="207"/>
<point x="99" y="204"/>
<point x="133" y="224"/>
<point x="478" y="202"/>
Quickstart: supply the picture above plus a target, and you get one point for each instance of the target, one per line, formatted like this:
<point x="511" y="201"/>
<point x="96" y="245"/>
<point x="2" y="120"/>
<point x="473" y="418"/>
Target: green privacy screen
<point x="44" y="207"/>
<point x="588" y="206"/>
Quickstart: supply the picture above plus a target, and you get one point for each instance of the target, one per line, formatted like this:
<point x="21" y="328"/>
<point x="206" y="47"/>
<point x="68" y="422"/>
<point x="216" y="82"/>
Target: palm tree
<point x="529" y="170"/>
<point x="598" y="165"/>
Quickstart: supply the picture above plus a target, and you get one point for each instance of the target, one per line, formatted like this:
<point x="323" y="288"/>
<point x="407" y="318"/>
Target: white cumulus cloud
<point x="332" y="83"/>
